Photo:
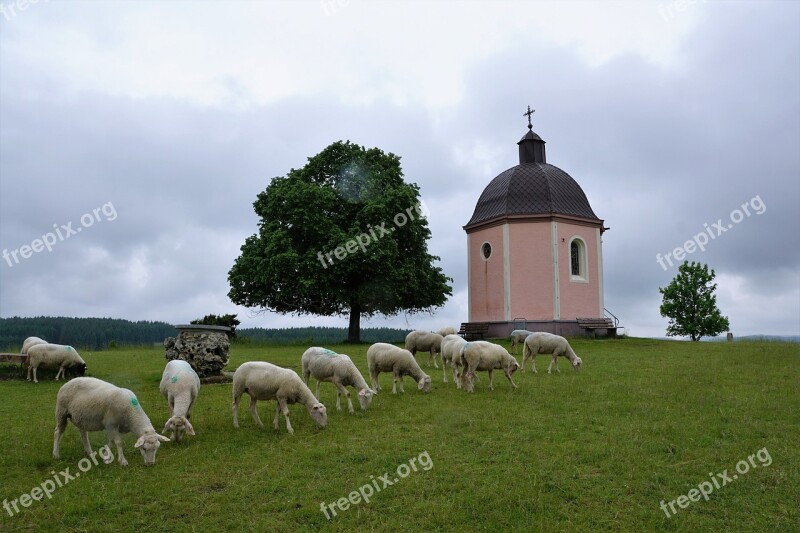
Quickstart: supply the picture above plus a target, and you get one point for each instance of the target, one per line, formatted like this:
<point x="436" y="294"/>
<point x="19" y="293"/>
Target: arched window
<point x="577" y="259"/>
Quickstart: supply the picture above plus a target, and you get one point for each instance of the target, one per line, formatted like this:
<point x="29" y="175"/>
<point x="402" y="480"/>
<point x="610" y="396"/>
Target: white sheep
<point x="518" y="336"/>
<point x="265" y="381"/>
<point x="339" y="369"/>
<point x="451" y="355"/>
<point x="31" y="341"/>
<point x="483" y="355"/>
<point x="424" y="341"/>
<point x="54" y="355"/>
<point x="449" y="330"/>
<point x="180" y="385"/>
<point x="383" y="357"/>
<point x="95" y="405"/>
<point x="547" y="343"/>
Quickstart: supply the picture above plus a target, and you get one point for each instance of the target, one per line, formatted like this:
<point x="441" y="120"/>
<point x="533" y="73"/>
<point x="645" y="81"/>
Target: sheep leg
<point x="342" y="390"/>
<point x="87" y="447"/>
<point x="318" y="382"/>
<point x="114" y="436"/>
<point x="533" y="363"/>
<point x="34" y="375"/>
<point x="285" y="409"/>
<point x="491" y="387"/>
<point x="433" y="358"/>
<point x="553" y="362"/>
<point x="60" y="373"/>
<point x="444" y="371"/>
<point x="236" y="411"/>
<point x="277" y="413"/>
<point x="30" y="367"/>
<point x="373" y="377"/>
<point x="61" y="425"/>
<point x="254" y="412"/>
<point x="508" y="375"/>
<point x="456" y="377"/>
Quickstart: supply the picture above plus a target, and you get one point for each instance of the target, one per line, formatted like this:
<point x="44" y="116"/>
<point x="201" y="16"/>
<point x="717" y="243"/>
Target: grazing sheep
<point x="31" y="341"/>
<point x="518" y="336"/>
<point x="449" y="330"/>
<point x="483" y="355"/>
<point x="383" y="357"/>
<point x="547" y="343"/>
<point x="265" y="381"/>
<point x="54" y="355"/>
<point x="451" y="354"/>
<point x="424" y="341"/>
<point x="339" y="369"/>
<point x="180" y="385"/>
<point x="95" y="405"/>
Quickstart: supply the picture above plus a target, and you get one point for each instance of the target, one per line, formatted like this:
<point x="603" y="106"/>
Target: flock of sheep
<point x="95" y="405"/>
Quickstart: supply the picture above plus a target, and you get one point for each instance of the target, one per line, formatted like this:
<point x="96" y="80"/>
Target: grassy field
<point x="644" y="421"/>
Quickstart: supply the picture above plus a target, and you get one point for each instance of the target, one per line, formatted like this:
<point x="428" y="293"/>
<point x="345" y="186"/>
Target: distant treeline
<point x="90" y="333"/>
<point x="318" y="335"/>
<point x="104" y="333"/>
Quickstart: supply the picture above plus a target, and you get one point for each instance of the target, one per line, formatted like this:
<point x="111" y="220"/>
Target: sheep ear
<point x="162" y="438"/>
<point x="373" y="391"/>
<point x="362" y="392"/>
<point x="167" y="426"/>
<point x="139" y="442"/>
<point x="189" y="428"/>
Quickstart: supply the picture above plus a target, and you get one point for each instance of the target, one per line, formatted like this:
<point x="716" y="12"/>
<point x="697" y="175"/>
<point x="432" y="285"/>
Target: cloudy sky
<point x="152" y="126"/>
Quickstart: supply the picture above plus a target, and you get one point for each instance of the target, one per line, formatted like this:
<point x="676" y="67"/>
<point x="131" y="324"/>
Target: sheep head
<point x="365" y="397"/>
<point x="148" y="444"/>
<point x="81" y="369"/>
<point x="424" y="384"/>
<point x="576" y="364"/>
<point x="319" y="413"/>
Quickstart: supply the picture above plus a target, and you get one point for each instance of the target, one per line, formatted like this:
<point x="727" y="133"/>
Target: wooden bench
<point x="593" y="324"/>
<point x="20" y="358"/>
<point x="473" y="330"/>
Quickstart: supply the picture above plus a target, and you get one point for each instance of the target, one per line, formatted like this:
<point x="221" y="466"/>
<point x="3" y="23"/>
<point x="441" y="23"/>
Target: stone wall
<point x="206" y="351"/>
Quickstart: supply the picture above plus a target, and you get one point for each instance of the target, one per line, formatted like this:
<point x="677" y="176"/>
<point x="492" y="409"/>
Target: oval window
<point x="486" y="250"/>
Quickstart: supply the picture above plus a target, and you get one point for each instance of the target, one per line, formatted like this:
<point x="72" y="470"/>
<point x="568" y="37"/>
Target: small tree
<point x="228" y="320"/>
<point x="690" y="304"/>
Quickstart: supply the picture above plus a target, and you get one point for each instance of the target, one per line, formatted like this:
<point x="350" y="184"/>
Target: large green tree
<point x="344" y="235"/>
<point x="691" y="305"/>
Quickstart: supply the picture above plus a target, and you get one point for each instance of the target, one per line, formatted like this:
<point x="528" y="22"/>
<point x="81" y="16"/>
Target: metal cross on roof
<point x="529" y="113"/>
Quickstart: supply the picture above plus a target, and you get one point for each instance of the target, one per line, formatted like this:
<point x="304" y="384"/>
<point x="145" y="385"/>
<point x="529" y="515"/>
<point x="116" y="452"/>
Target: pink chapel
<point x="535" y="251"/>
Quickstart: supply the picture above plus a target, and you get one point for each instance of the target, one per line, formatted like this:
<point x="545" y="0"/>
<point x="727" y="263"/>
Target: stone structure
<point x="204" y="347"/>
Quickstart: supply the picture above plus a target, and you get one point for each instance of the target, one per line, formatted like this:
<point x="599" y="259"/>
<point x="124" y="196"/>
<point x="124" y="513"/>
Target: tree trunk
<point x="354" y="329"/>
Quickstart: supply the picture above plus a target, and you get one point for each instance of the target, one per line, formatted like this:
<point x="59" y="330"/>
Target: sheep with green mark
<point x="339" y="369"/>
<point x="180" y="385"/>
<point x="54" y="356"/>
<point x="95" y="405"/>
